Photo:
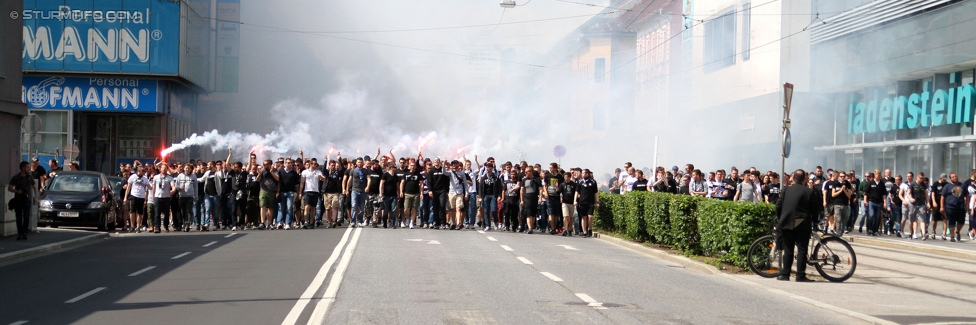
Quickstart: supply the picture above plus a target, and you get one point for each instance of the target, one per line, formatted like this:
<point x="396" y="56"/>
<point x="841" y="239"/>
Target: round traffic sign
<point x="559" y="151"/>
<point x="787" y="143"/>
<point x="32" y="123"/>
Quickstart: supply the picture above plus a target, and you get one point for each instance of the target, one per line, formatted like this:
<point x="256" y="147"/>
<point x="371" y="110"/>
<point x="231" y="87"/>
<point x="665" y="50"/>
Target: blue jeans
<point x="286" y="204"/>
<point x="471" y="217"/>
<point x="424" y="212"/>
<point x="894" y="221"/>
<point x="319" y="208"/>
<point x="489" y="208"/>
<point x="358" y="206"/>
<point x="198" y="210"/>
<point x="390" y="211"/>
<point x="874" y="212"/>
<point x="210" y="203"/>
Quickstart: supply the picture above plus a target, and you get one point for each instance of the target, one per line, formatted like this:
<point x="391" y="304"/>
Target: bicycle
<point x="832" y="256"/>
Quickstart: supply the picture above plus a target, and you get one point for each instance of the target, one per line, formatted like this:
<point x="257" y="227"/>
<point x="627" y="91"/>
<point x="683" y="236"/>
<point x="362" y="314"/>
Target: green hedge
<point x="693" y="225"/>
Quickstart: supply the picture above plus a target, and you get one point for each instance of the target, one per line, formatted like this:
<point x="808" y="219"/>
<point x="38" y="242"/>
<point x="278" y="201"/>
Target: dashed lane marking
<point x="210" y="244"/>
<point x="142" y="271"/>
<point x="231" y="235"/>
<point x="590" y="301"/>
<point x="524" y="260"/>
<point x="505" y="247"/>
<point x="434" y="242"/>
<point x="181" y="255"/>
<point x="20" y="322"/>
<point x="492" y="238"/>
<point x="84" y="295"/>
<point x="552" y="277"/>
<point x="568" y="247"/>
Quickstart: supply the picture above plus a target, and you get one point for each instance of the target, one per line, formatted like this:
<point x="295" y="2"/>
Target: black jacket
<point x="796" y="207"/>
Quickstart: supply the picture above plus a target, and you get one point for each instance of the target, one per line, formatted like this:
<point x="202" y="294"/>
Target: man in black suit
<point x="796" y="208"/>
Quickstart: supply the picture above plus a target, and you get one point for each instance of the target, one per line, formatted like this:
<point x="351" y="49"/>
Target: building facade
<point x="900" y="83"/>
<point x="12" y="109"/>
<point x="115" y="82"/>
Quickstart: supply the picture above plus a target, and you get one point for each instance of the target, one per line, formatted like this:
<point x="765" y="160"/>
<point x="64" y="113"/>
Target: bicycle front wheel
<point x="834" y="259"/>
<point x="764" y="257"/>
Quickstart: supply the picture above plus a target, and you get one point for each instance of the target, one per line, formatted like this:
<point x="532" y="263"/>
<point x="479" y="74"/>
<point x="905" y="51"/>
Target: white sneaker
<point x="287" y="227"/>
<point x="411" y="226"/>
<point x="233" y="229"/>
<point x="403" y="225"/>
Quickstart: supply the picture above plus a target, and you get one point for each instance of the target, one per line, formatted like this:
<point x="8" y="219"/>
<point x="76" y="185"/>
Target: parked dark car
<point x="78" y="198"/>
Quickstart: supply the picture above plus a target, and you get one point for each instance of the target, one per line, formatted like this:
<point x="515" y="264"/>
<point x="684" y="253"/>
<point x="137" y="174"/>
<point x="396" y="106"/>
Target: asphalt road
<point x="455" y="277"/>
<point x="248" y="278"/>
<point x="344" y="276"/>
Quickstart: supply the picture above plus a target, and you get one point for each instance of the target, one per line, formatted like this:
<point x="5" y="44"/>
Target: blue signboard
<point x="101" y="36"/>
<point x="115" y="94"/>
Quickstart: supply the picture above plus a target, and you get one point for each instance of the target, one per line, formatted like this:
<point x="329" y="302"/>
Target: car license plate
<point x="68" y="214"/>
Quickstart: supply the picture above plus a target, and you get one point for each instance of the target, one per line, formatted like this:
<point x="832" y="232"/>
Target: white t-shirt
<point x="629" y="183"/>
<point x="311" y="177"/>
<point x="138" y="186"/>
<point x="162" y="184"/>
<point x="907" y="190"/>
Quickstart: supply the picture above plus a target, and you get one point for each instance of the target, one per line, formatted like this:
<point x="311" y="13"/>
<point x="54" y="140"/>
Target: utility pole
<point x="787" y="141"/>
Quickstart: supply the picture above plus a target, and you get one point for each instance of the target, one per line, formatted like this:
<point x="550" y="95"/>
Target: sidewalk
<point x="45" y="240"/>
<point x="964" y="249"/>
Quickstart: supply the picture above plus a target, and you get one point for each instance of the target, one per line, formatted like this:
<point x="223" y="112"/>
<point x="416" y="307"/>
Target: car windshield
<point x="75" y="183"/>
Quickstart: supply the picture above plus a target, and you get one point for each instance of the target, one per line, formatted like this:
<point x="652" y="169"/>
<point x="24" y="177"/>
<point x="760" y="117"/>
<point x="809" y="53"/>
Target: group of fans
<point x="910" y="206"/>
<point x="384" y="192"/>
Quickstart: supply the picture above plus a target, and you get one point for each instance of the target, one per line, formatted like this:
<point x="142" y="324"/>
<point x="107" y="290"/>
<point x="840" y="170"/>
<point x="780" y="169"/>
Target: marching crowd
<point x="361" y="192"/>
<point x="909" y="206"/>
<point x="432" y="193"/>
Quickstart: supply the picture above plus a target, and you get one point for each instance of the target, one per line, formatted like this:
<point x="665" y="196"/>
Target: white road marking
<point x="20" y="322"/>
<point x="322" y="308"/>
<point x="481" y="232"/>
<point x="142" y="271"/>
<point x="552" y="277"/>
<point x="181" y="255"/>
<point x="568" y="247"/>
<point x="415" y="239"/>
<point x="492" y="238"/>
<point x="210" y="244"/>
<point x="84" y="295"/>
<point x="590" y="301"/>
<point x="524" y="260"/>
<point x="317" y="281"/>
<point x="505" y="247"/>
<point x="586" y="298"/>
<point x="434" y="242"/>
<point x="231" y="235"/>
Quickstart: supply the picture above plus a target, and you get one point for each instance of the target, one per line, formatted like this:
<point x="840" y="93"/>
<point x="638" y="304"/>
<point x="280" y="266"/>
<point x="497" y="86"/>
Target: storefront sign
<point x="132" y="36"/>
<point x="942" y="107"/>
<point x="91" y="94"/>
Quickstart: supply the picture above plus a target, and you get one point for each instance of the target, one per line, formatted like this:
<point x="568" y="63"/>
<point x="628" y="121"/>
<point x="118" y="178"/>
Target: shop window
<point x="52" y="136"/>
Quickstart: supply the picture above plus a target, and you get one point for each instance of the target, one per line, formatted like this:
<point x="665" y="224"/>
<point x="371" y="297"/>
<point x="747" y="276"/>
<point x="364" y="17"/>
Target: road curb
<point x="700" y="266"/>
<point x="913" y="246"/>
<point x="660" y="254"/>
<point x="52" y="247"/>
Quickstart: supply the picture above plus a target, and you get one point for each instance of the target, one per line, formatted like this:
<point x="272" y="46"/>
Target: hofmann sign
<point x="101" y="36"/>
<point x="121" y="95"/>
<point x="941" y="107"/>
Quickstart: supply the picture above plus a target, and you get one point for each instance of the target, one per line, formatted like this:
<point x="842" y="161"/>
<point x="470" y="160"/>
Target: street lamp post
<point x="787" y="141"/>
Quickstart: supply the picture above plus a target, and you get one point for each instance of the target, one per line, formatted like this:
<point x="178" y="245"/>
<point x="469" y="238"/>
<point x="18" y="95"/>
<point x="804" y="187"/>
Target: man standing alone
<point x="796" y="208"/>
